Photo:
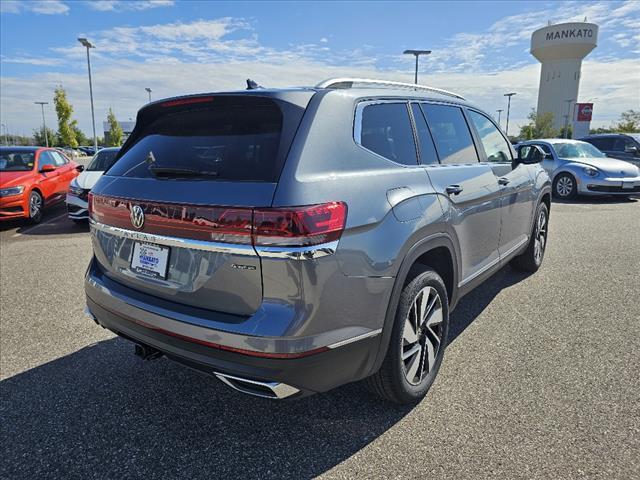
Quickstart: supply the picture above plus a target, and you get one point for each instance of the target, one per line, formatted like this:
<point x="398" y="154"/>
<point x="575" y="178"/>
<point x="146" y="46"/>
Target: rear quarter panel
<point x="390" y="206"/>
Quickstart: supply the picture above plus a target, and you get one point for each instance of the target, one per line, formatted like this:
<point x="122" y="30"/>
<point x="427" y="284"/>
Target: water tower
<point x="560" y="48"/>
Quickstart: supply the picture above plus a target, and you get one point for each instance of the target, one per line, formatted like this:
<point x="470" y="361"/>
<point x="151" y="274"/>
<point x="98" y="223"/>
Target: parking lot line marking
<point x="18" y="234"/>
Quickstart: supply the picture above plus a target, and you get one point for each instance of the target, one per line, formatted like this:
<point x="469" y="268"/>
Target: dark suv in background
<point x="623" y="146"/>
<point x="290" y="241"/>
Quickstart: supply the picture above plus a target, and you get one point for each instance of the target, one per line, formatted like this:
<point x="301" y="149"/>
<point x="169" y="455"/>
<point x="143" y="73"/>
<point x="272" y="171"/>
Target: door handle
<point x="503" y="181"/>
<point x="454" y="189"/>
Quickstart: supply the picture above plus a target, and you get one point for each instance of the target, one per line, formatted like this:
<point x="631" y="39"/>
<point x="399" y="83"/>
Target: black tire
<point x="531" y="259"/>
<point x="36" y="205"/>
<point x="391" y="382"/>
<point x="560" y="184"/>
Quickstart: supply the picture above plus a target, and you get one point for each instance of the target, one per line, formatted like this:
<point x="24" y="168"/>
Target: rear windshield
<point x="231" y="138"/>
<point x="102" y="161"/>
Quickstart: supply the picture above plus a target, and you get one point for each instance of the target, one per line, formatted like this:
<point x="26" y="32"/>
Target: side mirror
<point x="531" y="154"/>
<point x="80" y="168"/>
<point x="632" y="149"/>
<point x="47" y="168"/>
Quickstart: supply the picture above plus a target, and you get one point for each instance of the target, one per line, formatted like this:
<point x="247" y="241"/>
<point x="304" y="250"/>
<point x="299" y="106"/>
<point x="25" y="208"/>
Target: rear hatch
<point x="173" y="216"/>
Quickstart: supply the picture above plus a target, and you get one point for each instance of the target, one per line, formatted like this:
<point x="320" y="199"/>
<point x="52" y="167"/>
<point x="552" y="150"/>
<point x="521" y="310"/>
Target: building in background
<point x="560" y="49"/>
<point x="127" y="128"/>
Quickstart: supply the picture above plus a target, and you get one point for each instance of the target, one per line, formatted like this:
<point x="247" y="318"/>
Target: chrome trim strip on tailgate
<point x="293" y="253"/>
<point x="299" y="253"/>
<point x="236" y="249"/>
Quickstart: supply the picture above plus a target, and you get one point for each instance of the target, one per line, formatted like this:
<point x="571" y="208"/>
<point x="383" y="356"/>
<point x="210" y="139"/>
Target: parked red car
<point x="32" y="178"/>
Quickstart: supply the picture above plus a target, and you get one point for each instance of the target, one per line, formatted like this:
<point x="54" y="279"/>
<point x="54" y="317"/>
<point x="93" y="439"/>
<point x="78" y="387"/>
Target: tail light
<point x="90" y="203"/>
<point x="299" y="226"/>
<point x="287" y="227"/>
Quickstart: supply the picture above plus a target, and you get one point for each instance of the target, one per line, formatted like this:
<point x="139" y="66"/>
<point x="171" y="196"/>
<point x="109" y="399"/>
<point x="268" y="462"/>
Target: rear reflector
<point x="294" y="226"/>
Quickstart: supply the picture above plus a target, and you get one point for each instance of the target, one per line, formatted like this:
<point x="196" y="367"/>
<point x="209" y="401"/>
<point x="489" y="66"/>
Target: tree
<point x="115" y="133"/>
<point x="629" y="121"/>
<point x="40" y="139"/>
<point x="539" y="126"/>
<point x="569" y="132"/>
<point x="81" y="138"/>
<point x="66" y="126"/>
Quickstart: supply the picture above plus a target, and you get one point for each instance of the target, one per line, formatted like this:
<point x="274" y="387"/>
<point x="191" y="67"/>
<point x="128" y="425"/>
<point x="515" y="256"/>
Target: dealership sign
<point x="584" y="112"/>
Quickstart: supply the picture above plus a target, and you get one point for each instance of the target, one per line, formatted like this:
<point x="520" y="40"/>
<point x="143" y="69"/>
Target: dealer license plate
<point x="149" y="259"/>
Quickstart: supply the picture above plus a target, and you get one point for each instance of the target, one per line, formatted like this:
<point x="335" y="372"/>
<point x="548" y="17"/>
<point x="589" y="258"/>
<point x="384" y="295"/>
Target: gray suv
<point x="290" y="241"/>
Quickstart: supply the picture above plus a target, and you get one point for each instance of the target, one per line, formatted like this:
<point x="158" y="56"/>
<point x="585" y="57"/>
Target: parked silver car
<point x="289" y="241"/>
<point x="579" y="168"/>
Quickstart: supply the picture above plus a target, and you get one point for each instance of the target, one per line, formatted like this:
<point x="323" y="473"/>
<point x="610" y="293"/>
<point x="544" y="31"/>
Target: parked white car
<point x="77" y="196"/>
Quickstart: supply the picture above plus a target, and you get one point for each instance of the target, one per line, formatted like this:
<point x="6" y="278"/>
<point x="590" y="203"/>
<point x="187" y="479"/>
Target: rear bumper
<point x="307" y="364"/>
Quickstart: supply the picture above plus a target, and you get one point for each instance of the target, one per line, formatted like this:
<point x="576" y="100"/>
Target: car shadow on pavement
<point x="54" y="222"/>
<point x="101" y="412"/>
<point x="596" y="200"/>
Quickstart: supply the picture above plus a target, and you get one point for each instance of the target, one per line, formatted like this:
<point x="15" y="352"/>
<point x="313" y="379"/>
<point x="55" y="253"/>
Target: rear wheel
<point x="35" y="207"/>
<point x="565" y="186"/>
<point x="417" y="341"/>
<point x="531" y="259"/>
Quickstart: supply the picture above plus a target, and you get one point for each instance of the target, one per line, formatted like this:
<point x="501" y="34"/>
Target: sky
<point x="480" y="50"/>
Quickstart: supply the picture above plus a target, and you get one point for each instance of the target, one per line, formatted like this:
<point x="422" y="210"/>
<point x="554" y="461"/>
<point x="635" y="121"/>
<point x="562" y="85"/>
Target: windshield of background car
<point x="16" y="160"/>
<point x="102" y="161"/>
<point x="233" y="138"/>
<point x="635" y="136"/>
<point x="577" y="150"/>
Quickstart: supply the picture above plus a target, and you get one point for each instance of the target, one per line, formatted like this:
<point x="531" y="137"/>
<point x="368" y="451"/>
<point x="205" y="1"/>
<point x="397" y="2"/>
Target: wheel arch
<point x="437" y="251"/>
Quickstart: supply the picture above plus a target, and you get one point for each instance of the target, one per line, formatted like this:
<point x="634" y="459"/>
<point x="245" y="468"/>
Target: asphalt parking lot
<point x="540" y="379"/>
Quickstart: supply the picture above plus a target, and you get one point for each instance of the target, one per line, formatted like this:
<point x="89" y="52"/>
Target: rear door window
<point x="386" y="130"/>
<point x="451" y="134"/>
<point x="231" y="138"/>
<point x="495" y="146"/>
<point x="427" y="149"/>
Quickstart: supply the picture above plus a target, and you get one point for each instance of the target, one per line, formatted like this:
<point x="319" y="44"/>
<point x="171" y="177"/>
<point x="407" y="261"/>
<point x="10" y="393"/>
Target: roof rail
<point x="350" y="82"/>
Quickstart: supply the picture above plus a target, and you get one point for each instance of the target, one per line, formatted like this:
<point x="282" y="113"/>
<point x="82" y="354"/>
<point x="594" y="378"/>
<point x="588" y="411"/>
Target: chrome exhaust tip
<point x="273" y="390"/>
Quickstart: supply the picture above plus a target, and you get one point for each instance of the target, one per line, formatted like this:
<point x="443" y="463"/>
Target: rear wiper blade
<point x="179" y="172"/>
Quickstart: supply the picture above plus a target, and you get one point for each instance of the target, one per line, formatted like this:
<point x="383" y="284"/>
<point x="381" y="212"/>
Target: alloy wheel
<point x="35" y="205"/>
<point x="540" y="237"/>
<point x="422" y="335"/>
<point x="564" y="186"/>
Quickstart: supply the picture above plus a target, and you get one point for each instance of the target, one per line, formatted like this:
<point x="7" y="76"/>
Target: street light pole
<point x="509" y="95"/>
<point x="566" y="118"/>
<point x="6" y="133"/>
<point x="417" y="54"/>
<point x="88" y="45"/>
<point x="500" y="110"/>
<point x="44" y="123"/>
<point x="149" y="92"/>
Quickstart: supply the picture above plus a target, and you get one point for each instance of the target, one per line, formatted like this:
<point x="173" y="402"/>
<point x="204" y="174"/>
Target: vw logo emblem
<point x="137" y="216"/>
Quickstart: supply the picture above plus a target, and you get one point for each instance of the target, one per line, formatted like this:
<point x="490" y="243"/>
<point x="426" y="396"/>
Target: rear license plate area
<point x="150" y="260"/>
